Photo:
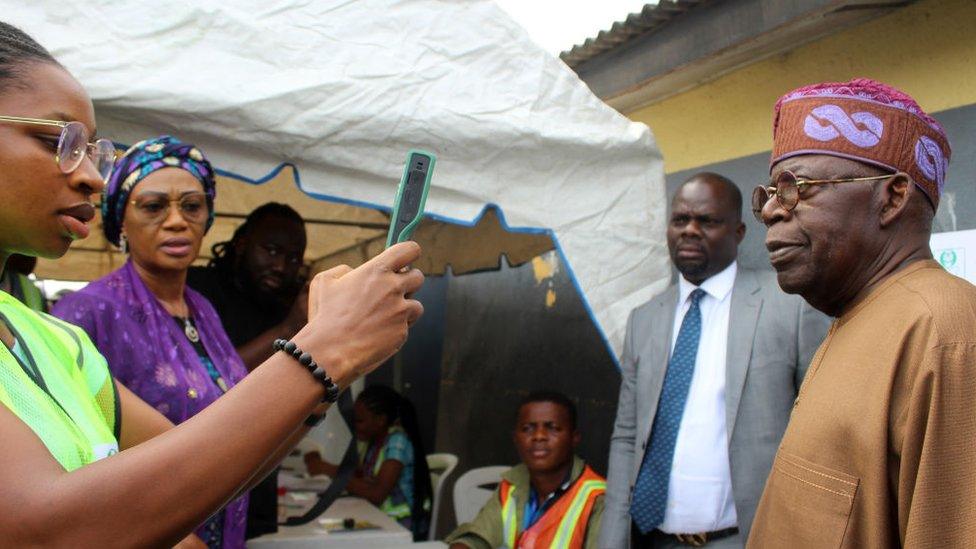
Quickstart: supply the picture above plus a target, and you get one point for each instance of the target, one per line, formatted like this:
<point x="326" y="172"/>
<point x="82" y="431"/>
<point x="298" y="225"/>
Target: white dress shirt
<point x="700" y="488"/>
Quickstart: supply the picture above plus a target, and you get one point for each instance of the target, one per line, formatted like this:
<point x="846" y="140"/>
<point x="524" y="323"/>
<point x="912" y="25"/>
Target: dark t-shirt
<point x="243" y="320"/>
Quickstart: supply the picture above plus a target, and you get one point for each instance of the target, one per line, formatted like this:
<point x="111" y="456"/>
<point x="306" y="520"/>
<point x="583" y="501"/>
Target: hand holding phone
<point x="408" y="209"/>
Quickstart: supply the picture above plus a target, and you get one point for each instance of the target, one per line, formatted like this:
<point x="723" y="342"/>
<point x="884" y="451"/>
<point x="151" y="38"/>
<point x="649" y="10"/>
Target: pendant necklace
<point x="190" y="330"/>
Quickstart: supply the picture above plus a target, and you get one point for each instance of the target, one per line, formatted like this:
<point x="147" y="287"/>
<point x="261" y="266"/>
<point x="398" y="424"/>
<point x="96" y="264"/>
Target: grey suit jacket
<point x="772" y="338"/>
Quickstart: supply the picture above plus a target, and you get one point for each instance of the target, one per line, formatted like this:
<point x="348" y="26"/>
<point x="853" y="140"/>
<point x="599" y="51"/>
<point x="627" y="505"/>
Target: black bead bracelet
<point x="305" y="359"/>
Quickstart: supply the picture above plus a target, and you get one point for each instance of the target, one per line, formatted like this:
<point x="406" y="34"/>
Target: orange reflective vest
<point x="563" y="526"/>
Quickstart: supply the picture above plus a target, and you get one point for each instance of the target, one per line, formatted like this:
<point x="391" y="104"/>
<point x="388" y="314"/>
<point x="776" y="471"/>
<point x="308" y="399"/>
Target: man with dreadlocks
<point x="254" y="279"/>
<point x="255" y="283"/>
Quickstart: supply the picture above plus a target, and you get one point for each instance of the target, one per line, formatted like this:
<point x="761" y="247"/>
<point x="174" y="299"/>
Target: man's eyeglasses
<point x="154" y="208"/>
<point x="786" y="188"/>
<point x="73" y="145"/>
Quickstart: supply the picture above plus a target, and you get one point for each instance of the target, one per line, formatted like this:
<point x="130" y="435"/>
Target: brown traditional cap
<point x="867" y="121"/>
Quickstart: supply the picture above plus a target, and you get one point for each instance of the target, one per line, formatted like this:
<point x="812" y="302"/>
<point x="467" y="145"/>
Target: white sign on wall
<point x="956" y="251"/>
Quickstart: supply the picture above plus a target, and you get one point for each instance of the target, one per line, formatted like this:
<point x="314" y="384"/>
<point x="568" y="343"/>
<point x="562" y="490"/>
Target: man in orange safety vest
<point x="551" y="499"/>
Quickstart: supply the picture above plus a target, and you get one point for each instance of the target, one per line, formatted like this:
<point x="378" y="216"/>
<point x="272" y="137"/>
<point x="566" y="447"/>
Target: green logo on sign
<point x="948" y="258"/>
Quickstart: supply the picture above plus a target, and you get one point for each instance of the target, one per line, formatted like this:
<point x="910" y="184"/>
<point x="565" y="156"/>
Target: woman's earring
<point x="123" y="243"/>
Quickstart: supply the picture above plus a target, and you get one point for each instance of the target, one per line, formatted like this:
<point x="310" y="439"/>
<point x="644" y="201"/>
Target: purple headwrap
<point x="142" y="159"/>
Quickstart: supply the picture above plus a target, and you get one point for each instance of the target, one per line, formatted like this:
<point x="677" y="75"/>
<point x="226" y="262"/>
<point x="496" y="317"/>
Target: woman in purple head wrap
<point x="162" y="340"/>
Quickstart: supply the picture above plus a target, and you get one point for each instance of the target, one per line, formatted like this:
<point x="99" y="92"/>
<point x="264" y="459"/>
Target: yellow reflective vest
<point x="59" y="385"/>
<point x="562" y="526"/>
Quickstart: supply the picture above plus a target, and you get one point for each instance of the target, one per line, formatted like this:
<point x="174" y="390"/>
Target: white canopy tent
<point x="341" y="90"/>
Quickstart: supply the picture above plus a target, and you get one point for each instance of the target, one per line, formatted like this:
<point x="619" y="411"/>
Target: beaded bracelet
<point x="305" y="359"/>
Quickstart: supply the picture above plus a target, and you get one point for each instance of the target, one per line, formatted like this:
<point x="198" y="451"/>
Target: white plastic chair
<point x="470" y="492"/>
<point x="441" y="466"/>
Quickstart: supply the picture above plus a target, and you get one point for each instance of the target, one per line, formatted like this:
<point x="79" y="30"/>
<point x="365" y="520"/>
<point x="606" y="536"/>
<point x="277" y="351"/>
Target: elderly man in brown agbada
<point x="880" y="450"/>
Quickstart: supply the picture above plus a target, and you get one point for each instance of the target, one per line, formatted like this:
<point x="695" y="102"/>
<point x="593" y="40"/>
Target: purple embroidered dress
<point x="149" y="353"/>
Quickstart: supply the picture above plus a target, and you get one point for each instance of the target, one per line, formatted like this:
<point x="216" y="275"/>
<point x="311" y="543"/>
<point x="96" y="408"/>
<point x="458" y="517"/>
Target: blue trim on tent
<point x="444" y="219"/>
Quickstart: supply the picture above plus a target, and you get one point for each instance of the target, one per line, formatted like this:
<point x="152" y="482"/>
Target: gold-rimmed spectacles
<point x="73" y="146"/>
<point x="787" y="186"/>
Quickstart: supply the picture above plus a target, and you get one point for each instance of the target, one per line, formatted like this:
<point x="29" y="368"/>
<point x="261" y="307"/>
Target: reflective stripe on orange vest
<point x="509" y="521"/>
<point x="563" y="526"/>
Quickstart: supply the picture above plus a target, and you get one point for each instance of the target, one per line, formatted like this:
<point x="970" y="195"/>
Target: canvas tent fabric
<point x="341" y="90"/>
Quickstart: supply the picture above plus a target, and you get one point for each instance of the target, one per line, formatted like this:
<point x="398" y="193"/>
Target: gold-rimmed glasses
<point x="786" y="188"/>
<point x="73" y="145"/>
<point x="153" y="208"/>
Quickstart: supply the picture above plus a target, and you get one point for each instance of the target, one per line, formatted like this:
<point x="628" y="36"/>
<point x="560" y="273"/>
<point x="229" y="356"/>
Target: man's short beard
<point x="691" y="270"/>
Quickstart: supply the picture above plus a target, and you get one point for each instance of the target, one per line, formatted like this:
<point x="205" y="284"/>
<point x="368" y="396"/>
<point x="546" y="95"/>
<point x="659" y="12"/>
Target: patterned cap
<point x="138" y="162"/>
<point x="867" y="121"/>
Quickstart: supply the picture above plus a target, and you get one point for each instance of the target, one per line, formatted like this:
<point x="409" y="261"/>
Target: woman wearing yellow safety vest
<point x="85" y="463"/>
<point x="393" y="472"/>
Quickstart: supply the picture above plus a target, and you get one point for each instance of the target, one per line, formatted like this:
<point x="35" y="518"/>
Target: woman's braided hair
<point x="17" y="50"/>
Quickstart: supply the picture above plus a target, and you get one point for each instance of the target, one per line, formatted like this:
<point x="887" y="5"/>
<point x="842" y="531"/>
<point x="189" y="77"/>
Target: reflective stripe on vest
<point x="509" y="518"/>
<point x="396" y="510"/>
<point x="587" y="494"/>
<point x="76" y="416"/>
<point x="562" y="526"/>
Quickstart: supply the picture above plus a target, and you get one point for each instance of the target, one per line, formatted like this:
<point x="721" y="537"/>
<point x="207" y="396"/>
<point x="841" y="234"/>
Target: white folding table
<point x="314" y="535"/>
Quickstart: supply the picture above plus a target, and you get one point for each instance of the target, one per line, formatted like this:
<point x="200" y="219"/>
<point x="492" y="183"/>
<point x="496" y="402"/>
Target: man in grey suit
<point x="710" y="370"/>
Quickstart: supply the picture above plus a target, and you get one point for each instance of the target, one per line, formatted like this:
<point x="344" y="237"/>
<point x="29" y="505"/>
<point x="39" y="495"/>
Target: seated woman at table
<point x="393" y="471"/>
<point x="162" y="340"/>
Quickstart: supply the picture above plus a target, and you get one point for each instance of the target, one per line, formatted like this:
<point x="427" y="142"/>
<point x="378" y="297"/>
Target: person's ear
<point x="740" y="232"/>
<point x="895" y="195"/>
<point x="576" y="438"/>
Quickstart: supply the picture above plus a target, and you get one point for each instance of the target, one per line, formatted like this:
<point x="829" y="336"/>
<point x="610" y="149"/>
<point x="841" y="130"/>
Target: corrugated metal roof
<point x="651" y="18"/>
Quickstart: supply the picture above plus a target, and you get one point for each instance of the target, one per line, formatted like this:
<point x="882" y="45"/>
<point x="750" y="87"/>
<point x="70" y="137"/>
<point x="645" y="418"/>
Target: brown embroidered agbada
<point x="881" y="446"/>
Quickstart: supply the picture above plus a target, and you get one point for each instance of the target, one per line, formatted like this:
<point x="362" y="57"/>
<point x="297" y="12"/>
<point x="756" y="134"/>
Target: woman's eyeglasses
<point x="73" y="145"/>
<point x="786" y="188"/>
<point x="154" y="208"/>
